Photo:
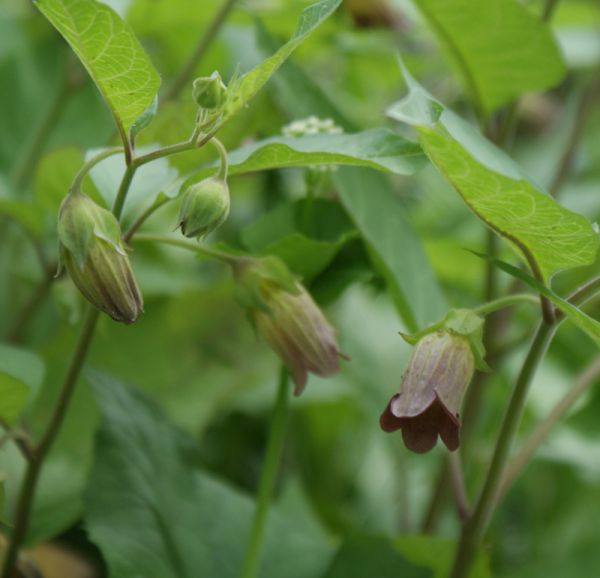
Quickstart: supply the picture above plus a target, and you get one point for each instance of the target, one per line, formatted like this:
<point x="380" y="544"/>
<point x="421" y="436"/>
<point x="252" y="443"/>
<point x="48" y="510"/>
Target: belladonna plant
<point x="432" y="386"/>
<point x="287" y="318"/>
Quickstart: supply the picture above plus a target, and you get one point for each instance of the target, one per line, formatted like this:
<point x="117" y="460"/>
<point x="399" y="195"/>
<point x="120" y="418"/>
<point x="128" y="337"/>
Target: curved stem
<point x="191" y="246"/>
<point x="89" y="165"/>
<point x="589" y="377"/>
<point x="476" y="525"/>
<point x="143" y="217"/>
<point x="507" y="301"/>
<point x="199" y="51"/>
<point x="267" y="478"/>
<point x="41" y="449"/>
<point x="222" y="174"/>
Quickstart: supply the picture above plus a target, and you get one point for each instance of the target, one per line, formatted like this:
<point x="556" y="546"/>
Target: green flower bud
<point x="209" y="92"/>
<point x="92" y="252"/>
<point x="204" y="208"/>
<point x="431" y="391"/>
<point x="288" y="319"/>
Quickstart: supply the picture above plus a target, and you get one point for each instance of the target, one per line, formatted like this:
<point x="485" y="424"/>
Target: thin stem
<point x="586" y="106"/>
<point x="548" y="10"/>
<point x="144" y="216"/>
<point x="89" y="165"/>
<point x="197" y="54"/>
<point x="475" y="527"/>
<point x="191" y="246"/>
<point x="23" y="171"/>
<point x="40" y="451"/>
<point x="119" y="203"/>
<point x="164" y="152"/>
<point x="21" y="439"/>
<point x="222" y="174"/>
<point x="507" y="301"/>
<point x="458" y="487"/>
<point x="15" y="331"/>
<point x="267" y="478"/>
<point x="589" y="377"/>
<point x="582" y="294"/>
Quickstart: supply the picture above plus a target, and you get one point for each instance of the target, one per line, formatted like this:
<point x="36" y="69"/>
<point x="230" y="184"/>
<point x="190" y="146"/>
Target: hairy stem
<point x="267" y="478"/>
<point x="197" y="54"/>
<point x="476" y="526"/>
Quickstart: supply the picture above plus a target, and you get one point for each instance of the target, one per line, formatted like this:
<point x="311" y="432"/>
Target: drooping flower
<point x="93" y="254"/>
<point x="288" y="319"/>
<point x="427" y="404"/>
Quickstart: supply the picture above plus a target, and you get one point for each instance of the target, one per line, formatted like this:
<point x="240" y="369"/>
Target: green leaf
<point x="501" y="48"/>
<point x="305" y="252"/>
<point x="111" y="54"/>
<point x="379" y="148"/>
<point x="21" y="373"/>
<point x="385" y="225"/>
<point x="437" y="554"/>
<point x="550" y="237"/>
<point x="154" y="514"/>
<point x="587" y="324"/>
<point x="362" y="556"/>
<point x="246" y="87"/>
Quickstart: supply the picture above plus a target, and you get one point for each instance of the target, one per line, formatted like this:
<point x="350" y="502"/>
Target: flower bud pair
<point x="288" y="319"/>
<point x="91" y="250"/>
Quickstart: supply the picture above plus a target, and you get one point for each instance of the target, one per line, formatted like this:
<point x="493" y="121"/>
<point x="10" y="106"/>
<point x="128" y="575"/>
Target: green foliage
<point x="501" y="48"/>
<point x="185" y="523"/>
<point x="550" y="237"/>
<point x="112" y="55"/>
<point x="21" y="373"/>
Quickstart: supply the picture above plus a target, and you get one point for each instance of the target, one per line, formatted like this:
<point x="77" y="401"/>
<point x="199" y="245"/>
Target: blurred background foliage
<point x="193" y="351"/>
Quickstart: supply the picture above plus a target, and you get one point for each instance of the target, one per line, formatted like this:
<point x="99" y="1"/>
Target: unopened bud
<point x="209" y="92"/>
<point x="204" y="208"/>
<point x="92" y="252"/>
<point x="288" y="319"/>
<point x="431" y="391"/>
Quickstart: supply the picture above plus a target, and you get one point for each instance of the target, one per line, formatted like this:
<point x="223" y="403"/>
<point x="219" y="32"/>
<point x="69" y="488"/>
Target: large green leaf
<point x="378" y="148"/>
<point x="250" y="83"/>
<point x="502" y="49"/>
<point x="365" y="556"/>
<point x="385" y="225"/>
<point x="550" y="237"/>
<point x="154" y="514"/>
<point x="21" y="373"/>
<point x="437" y="553"/>
<point x="110" y="52"/>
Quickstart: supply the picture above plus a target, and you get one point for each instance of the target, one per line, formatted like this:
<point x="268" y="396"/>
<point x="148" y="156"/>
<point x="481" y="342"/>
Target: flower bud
<point x="209" y="92"/>
<point x="92" y="252"/>
<point x="439" y="370"/>
<point x="204" y="208"/>
<point x="287" y="318"/>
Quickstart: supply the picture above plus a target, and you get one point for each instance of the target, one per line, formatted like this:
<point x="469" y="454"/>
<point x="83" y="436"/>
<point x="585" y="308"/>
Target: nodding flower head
<point x="93" y="254"/>
<point x="204" y="208"/>
<point x="288" y="319"/>
<point x="427" y="404"/>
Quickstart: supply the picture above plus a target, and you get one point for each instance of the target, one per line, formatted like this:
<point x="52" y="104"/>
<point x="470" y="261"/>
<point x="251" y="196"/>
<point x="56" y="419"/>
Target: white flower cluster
<point x="310" y="126"/>
<point x="313" y="125"/>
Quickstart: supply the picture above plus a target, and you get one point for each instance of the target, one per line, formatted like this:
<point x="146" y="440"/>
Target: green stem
<point x="24" y="169"/>
<point x="222" y="174"/>
<point x="41" y="449"/>
<point x="589" y="377"/>
<point x="143" y="217"/>
<point x="507" y="301"/>
<point x="164" y="152"/>
<point x="89" y="165"/>
<point x="184" y="75"/>
<point x="119" y="203"/>
<point x="267" y="478"/>
<point x="476" y="526"/>
<point x="191" y="246"/>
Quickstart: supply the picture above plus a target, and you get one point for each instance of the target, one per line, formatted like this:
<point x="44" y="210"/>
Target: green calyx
<point x="204" y="208"/>
<point x="256" y="278"/>
<point x="209" y="92"/>
<point x="462" y="322"/>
